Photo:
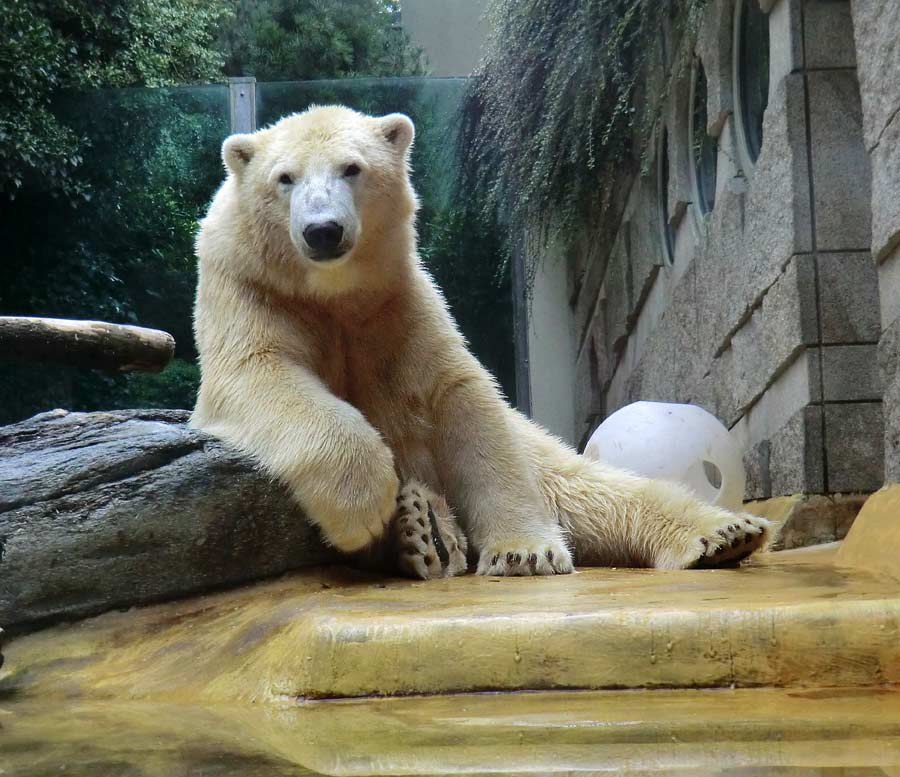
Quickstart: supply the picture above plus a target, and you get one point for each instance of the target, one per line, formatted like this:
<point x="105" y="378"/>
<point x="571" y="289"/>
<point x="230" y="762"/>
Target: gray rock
<point x="105" y="510"/>
<point x="816" y="519"/>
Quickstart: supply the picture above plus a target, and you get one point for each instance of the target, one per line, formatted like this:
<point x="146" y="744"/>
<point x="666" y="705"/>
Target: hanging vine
<point x="561" y="101"/>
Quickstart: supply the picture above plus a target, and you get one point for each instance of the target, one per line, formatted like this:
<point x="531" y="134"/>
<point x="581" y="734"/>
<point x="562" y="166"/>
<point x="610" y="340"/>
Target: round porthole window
<point x="704" y="148"/>
<point x="751" y="74"/>
<point x="662" y="178"/>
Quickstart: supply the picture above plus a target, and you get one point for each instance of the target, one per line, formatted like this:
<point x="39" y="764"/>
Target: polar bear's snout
<point x="324" y="221"/>
<point x="324" y="240"/>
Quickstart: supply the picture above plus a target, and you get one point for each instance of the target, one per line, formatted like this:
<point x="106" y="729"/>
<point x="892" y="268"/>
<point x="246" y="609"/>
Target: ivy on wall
<point x="562" y="100"/>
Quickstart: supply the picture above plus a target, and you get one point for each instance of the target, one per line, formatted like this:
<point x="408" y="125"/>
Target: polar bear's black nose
<point x="324" y="239"/>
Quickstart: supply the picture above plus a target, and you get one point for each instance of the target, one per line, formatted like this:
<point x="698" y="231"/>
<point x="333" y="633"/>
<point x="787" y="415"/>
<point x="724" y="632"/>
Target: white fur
<point x="344" y="378"/>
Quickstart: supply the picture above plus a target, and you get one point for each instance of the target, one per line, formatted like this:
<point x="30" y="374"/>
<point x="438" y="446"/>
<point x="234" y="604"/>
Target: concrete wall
<point x="767" y="313"/>
<point x="551" y="348"/>
<point x="877" y="29"/>
<point x="450" y="32"/>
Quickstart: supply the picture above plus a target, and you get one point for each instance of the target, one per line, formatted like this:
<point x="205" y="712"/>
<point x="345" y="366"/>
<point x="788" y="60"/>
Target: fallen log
<point x="94" y="344"/>
<point x="111" y="509"/>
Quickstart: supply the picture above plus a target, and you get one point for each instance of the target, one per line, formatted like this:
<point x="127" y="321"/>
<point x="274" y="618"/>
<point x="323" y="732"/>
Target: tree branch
<point x="95" y="344"/>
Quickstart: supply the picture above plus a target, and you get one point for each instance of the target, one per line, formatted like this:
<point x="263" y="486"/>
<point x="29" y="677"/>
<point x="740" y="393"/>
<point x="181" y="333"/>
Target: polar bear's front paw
<point x="740" y="535"/>
<point x="428" y="542"/>
<point x="525" y="558"/>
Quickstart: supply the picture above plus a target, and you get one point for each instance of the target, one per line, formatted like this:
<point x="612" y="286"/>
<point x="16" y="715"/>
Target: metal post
<point x="520" y="331"/>
<point x="242" y="94"/>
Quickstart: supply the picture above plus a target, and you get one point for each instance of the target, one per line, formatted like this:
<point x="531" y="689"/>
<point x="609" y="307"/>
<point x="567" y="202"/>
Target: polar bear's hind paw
<point x="733" y="543"/>
<point x="428" y="542"/>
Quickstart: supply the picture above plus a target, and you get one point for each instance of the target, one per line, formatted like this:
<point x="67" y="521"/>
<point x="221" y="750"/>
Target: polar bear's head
<point x="331" y="179"/>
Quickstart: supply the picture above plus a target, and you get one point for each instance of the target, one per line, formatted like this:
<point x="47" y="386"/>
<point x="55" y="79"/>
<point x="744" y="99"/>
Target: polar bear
<point x="330" y="357"/>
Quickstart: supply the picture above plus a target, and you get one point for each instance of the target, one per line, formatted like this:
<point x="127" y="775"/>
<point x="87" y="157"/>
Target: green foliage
<point x="553" y="112"/>
<point x="126" y="253"/>
<point x="49" y="46"/>
<point x="278" y="40"/>
<point x="175" y="386"/>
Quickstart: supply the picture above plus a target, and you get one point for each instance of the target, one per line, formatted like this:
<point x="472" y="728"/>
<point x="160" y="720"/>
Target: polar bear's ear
<point x="237" y="151"/>
<point x="398" y="130"/>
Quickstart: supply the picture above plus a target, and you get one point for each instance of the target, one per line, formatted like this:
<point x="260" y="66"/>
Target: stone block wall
<point x="876" y="25"/>
<point x="767" y="310"/>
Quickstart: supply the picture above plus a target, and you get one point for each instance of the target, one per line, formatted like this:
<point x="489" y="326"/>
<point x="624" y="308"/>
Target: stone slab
<point x="827" y="25"/>
<point x="875" y="25"/>
<point x="840" y="165"/>
<point x="854" y="435"/>
<point x="795" y="458"/>
<point x="848" y="298"/>
<point x="889" y="362"/>
<point x="885" y="185"/>
<point x="850" y="373"/>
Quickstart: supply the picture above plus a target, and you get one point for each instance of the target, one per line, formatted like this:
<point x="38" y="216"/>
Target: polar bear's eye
<point x="286" y="179"/>
<point x="351" y="171"/>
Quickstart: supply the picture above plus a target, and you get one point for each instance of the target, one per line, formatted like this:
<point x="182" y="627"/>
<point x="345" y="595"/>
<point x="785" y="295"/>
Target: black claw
<point x="425" y="538"/>
<point x="495" y="559"/>
<point x="418" y="506"/>
<point x="532" y="559"/>
<point x="704" y="542"/>
<point x="549" y="555"/>
<point x="421" y="522"/>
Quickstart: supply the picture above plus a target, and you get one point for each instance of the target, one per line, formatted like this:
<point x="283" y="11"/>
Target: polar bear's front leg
<point x="334" y="462"/>
<point x="488" y="479"/>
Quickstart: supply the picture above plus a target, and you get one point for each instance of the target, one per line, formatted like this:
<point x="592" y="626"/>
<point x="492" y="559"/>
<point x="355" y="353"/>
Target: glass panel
<point x="125" y="253"/>
<point x="705" y="148"/>
<point x="430" y="102"/>
<point x="459" y="250"/>
<point x="753" y="73"/>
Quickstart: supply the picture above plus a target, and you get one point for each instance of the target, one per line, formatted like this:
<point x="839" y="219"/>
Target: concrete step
<point x="332" y="633"/>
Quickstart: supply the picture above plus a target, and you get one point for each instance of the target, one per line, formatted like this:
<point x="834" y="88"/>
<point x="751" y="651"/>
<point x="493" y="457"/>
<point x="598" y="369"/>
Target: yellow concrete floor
<point x="799" y="733"/>
<point x="785" y="666"/>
